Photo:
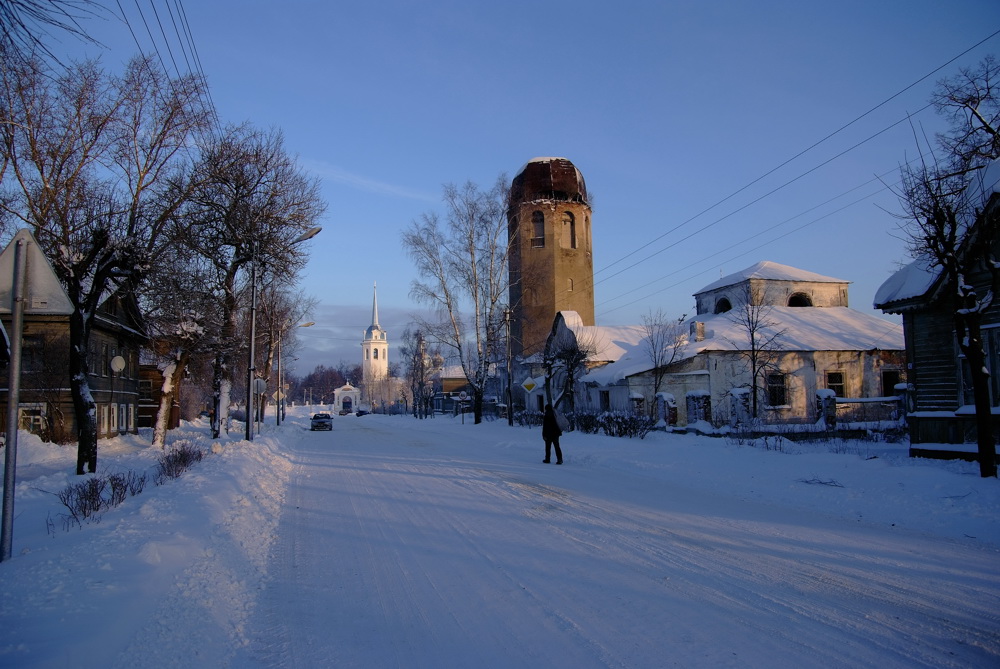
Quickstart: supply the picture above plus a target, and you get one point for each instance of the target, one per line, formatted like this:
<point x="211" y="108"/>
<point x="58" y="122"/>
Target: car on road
<point x="321" y="421"/>
<point x="345" y="412"/>
<point x="361" y="412"/>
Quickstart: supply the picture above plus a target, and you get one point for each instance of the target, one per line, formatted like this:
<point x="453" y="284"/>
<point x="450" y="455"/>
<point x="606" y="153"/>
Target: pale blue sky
<point x="667" y="108"/>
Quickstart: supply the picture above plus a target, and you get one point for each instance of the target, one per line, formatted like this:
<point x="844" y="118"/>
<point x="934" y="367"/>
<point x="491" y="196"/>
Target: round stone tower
<point x="551" y="260"/>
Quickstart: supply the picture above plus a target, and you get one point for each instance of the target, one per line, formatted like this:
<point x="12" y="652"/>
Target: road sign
<point x="529" y="384"/>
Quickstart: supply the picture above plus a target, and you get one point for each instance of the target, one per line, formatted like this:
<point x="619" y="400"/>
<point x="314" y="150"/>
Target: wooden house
<point x="940" y="389"/>
<point x="45" y="404"/>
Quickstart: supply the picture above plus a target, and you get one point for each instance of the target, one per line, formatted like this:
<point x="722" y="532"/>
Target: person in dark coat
<point x="551" y="434"/>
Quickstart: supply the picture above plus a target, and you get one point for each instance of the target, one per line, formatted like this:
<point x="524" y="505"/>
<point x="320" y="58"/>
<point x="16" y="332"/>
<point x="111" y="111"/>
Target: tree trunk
<point x="172" y="376"/>
<point x="84" y="407"/>
<point x="981" y="396"/>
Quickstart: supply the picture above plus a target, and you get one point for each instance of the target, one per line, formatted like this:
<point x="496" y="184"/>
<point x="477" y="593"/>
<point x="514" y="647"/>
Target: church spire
<point x="375" y="305"/>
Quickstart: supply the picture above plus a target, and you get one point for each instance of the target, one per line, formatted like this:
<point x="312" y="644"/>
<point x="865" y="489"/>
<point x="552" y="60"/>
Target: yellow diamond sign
<point x="529" y="384"/>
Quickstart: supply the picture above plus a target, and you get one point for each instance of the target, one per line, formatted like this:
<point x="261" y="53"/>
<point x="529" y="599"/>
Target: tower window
<point x="537" y="230"/>
<point x="568" y="230"/>
<point x="800" y="300"/>
<point x="722" y="306"/>
<point x="569" y="285"/>
<point x="375" y="354"/>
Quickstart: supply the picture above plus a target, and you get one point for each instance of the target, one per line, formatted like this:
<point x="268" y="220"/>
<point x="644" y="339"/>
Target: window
<point x="569" y="285"/>
<point x="145" y="390"/>
<point x="605" y="399"/>
<point x="537" y="230"/>
<point x="32" y="353"/>
<point x="568" y="231"/>
<point x="777" y="392"/>
<point x="835" y="382"/>
<point x="722" y="306"/>
<point x="375" y="353"/>
<point x="105" y="360"/>
<point x="890" y="378"/>
<point x="800" y="300"/>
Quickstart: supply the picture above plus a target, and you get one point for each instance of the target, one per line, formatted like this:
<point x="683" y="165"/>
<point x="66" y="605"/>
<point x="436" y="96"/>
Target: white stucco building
<point x="819" y="343"/>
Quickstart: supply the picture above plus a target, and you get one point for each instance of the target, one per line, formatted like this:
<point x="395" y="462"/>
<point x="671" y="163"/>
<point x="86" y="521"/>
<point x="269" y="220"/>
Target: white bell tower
<point x="374" y="348"/>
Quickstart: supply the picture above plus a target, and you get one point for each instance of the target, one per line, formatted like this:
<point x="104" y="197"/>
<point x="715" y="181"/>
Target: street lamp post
<point x="251" y="365"/>
<point x="279" y="403"/>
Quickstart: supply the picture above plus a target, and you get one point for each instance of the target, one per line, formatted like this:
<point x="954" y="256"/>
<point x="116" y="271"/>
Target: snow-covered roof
<point x="772" y="271"/>
<point x="805" y="329"/>
<point x="610" y="342"/>
<point x="918" y="277"/>
<point x="912" y="281"/>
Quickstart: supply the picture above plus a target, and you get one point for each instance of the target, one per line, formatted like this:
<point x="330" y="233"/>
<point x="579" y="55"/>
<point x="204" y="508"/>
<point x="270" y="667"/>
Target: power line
<point x="802" y="152"/>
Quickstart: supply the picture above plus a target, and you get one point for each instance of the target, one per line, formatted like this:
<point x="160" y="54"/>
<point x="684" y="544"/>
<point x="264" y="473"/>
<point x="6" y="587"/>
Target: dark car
<point x="361" y="412"/>
<point x="321" y="421"/>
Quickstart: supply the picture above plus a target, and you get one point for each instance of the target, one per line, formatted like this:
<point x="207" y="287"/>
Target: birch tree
<point x="462" y="263"/>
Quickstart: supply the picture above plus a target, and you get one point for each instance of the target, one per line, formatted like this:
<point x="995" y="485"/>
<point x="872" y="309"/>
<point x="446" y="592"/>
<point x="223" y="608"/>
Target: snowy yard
<point x="392" y="542"/>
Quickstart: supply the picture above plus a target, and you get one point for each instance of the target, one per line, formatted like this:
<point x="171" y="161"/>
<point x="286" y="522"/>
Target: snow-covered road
<point x="403" y="544"/>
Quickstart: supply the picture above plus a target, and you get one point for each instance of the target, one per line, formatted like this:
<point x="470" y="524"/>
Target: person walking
<point x="551" y="433"/>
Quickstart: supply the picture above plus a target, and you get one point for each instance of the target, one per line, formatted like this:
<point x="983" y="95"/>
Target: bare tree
<point x="97" y="166"/>
<point x="280" y="313"/>
<point x="760" y="340"/>
<point x="970" y="102"/>
<point x="182" y="324"/>
<point x="663" y="341"/>
<point x="251" y="202"/>
<point x="25" y="25"/>
<point x="462" y="264"/>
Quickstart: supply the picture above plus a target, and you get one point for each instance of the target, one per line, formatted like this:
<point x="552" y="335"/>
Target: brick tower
<point x="551" y="264"/>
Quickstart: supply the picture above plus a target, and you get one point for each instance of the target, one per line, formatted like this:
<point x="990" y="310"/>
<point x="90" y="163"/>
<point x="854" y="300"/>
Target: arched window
<point x="800" y="300"/>
<point x="375" y="353"/>
<point x="537" y="230"/>
<point x="722" y="306"/>
<point x="569" y="285"/>
<point x="568" y="231"/>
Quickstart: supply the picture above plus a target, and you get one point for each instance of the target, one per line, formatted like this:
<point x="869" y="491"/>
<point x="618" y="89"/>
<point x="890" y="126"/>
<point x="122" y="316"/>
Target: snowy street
<point x="428" y="552"/>
<point x="391" y="542"/>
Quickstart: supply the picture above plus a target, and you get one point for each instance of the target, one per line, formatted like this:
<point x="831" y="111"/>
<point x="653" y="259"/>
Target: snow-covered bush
<point x="174" y="463"/>
<point x="625" y="424"/>
<point x="85" y="500"/>
<point x="528" y="418"/>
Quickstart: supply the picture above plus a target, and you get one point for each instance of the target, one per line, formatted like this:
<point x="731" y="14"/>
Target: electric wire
<point x="807" y="149"/>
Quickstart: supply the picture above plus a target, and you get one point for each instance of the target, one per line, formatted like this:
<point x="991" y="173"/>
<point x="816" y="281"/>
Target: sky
<point x="392" y="542"/>
<point x="711" y="135"/>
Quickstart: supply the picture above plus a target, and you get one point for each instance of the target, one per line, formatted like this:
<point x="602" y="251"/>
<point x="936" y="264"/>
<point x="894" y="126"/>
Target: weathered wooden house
<point x="45" y="404"/>
<point x="940" y="388"/>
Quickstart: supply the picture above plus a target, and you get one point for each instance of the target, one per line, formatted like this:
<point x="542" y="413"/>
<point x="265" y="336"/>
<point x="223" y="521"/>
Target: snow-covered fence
<point x="868" y="410"/>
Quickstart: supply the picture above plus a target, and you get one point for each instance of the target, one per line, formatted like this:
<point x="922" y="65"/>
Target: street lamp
<point x="251" y="365"/>
<point x="279" y="404"/>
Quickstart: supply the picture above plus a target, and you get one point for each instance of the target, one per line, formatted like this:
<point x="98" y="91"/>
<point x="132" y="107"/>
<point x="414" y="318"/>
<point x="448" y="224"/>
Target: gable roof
<point x="44" y="293"/>
<point x="772" y="271"/>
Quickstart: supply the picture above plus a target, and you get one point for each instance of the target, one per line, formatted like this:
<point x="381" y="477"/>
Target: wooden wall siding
<point x="935" y="371"/>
